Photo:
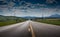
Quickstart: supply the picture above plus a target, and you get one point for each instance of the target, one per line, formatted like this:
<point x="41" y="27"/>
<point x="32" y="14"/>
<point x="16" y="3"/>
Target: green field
<point x="49" y="21"/>
<point x="7" y="23"/>
<point x="10" y="22"/>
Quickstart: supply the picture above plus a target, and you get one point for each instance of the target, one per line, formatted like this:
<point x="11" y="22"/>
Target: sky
<point x="31" y="8"/>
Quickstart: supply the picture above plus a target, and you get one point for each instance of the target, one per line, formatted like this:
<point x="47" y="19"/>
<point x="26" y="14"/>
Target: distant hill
<point x="5" y="18"/>
<point x="8" y="18"/>
<point x="55" y="16"/>
<point x="52" y="16"/>
<point x="30" y="17"/>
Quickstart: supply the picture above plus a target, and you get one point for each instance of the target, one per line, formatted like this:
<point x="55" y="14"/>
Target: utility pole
<point x="42" y="15"/>
<point x="15" y="14"/>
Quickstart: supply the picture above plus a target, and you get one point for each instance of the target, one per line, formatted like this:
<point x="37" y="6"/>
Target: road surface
<point x="30" y="29"/>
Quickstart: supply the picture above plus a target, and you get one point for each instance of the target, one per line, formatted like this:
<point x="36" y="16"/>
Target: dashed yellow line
<point x="30" y="29"/>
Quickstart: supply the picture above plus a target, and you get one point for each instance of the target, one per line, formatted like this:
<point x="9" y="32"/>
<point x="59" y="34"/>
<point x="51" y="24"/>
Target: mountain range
<point x="26" y="17"/>
<point x="55" y="16"/>
<point x="52" y="16"/>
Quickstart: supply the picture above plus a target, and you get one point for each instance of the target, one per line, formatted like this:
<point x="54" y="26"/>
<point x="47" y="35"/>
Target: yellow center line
<point x="30" y="29"/>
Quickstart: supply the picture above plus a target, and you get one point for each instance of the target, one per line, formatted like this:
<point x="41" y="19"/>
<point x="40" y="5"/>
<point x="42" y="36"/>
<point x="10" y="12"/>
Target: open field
<point x="9" y="22"/>
<point x="49" y="21"/>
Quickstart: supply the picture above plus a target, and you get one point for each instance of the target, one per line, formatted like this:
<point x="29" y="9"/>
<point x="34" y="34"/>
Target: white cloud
<point x="32" y="12"/>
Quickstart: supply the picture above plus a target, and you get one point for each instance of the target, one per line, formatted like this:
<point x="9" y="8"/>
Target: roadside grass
<point x="10" y="22"/>
<point x="49" y="21"/>
<point x="7" y="23"/>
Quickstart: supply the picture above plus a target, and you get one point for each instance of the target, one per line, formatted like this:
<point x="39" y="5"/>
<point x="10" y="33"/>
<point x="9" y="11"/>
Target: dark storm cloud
<point x="30" y="7"/>
<point x="31" y="1"/>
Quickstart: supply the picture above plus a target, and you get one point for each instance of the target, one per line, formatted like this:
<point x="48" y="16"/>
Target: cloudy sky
<point x="23" y="8"/>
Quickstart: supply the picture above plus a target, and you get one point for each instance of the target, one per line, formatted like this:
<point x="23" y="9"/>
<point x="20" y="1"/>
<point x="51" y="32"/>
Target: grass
<point x="10" y="22"/>
<point x="7" y="23"/>
<point x="50" y="21"/>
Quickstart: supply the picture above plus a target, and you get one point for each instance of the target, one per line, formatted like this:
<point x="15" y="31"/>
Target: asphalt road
<point x="30" y="29"/>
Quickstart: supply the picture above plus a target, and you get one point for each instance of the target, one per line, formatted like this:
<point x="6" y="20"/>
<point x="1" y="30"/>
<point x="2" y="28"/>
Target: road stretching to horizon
<point x="30" y="29"/>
